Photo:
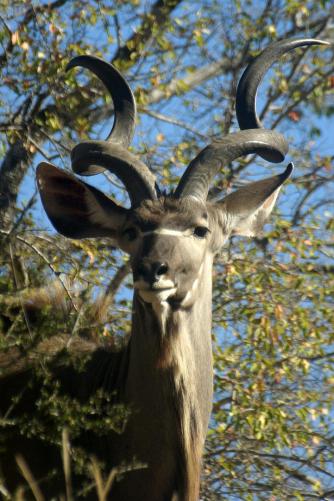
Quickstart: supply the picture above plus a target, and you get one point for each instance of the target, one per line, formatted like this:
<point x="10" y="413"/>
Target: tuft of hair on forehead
<point x="183" y="209"/>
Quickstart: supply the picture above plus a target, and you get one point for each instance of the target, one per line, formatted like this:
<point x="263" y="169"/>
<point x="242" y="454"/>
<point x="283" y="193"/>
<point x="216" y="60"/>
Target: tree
<point x="272" y="426"/>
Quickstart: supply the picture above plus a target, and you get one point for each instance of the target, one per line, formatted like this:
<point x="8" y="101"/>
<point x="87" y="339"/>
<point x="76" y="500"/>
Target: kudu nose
<point x="151" y="272"/>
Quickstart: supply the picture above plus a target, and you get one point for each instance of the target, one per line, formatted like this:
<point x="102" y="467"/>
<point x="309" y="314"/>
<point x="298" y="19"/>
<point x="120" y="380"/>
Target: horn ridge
<point x="202" y="169"/>
<point x="253" y="138"/>
<point x="254" y="73"/>
<point x="123" y="127"/>
<point x="93" y="157"/>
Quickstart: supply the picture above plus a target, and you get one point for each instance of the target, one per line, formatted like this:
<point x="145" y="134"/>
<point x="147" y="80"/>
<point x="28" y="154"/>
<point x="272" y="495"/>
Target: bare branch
<point x="157" y="17"/>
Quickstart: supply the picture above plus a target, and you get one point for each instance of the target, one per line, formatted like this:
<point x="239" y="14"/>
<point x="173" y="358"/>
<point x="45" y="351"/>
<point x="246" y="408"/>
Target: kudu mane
<point x="164" y="376"/>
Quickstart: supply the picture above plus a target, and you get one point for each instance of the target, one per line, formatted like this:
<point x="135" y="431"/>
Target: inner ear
<point x="76" y="209"/>
<point x="247" y="209"/>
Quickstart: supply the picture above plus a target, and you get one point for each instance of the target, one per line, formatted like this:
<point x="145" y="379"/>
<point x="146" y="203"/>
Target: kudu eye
<point x="130" y="234"/>
<point x="201" y="231"/>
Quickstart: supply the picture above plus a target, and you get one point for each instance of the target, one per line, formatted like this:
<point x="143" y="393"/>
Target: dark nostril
<point x="152" y="271"/>
<point x="161" y="269"/>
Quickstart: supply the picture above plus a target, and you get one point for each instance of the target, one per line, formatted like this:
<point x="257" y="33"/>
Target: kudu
<point x="165" y="375"/>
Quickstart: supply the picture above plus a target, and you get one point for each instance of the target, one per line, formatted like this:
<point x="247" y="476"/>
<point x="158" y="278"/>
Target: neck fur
<point x="176" y="360"/>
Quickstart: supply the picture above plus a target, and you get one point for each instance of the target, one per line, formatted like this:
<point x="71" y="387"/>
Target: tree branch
<point x="157" y="17"/>
<point x="12" y="171"/>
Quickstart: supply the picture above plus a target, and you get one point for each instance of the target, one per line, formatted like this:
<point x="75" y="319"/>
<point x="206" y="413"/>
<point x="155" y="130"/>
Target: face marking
<point x="189" y="232"/>
<point x="156" y="296"/>
<point x="159" y="285"/>
<point x="194" y="286"/>
<point x="169" y="232"/>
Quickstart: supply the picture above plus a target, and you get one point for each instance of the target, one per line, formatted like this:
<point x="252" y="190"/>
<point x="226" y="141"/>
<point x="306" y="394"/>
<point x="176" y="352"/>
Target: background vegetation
<point x="272" y="430"/>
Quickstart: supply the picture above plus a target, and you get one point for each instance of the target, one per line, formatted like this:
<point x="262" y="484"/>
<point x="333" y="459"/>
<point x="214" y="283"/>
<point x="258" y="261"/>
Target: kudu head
<point x="168" y="237"/>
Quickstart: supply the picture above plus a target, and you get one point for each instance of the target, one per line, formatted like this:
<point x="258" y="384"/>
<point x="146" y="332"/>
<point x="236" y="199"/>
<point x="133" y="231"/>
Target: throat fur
<point x="176" y="356"/>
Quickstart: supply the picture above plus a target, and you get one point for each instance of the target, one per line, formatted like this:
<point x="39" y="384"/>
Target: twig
<point x="102" y="488"/>
<point x="25" y="470"/>
<point x="118" y="31"/>
<point x="17" y="286"/>
<point x="173" y="121"/>
<point x="45" y="259"/>
<point x="24" y="211"/>
<point x="67" y="464"/>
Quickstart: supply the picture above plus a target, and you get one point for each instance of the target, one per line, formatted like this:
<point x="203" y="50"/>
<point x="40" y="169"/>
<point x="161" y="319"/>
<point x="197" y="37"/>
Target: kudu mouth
<point x="154" y="286"/>
<point x="158" y="290"/>
<point x="152" y="281"/>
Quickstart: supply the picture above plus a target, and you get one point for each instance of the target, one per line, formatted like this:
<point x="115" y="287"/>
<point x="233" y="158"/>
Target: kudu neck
<point x="170" y="374"/>
<point x="176" y="342"/>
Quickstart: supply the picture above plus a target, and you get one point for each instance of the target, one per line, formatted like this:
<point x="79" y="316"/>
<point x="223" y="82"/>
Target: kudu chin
<point x="164" y="377"/>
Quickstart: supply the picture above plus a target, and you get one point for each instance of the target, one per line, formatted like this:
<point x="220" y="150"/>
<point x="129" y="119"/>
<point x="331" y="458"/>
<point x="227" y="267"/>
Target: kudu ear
<point x="246" y="210"/>
<point x="76" y="209"/>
